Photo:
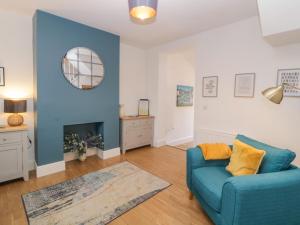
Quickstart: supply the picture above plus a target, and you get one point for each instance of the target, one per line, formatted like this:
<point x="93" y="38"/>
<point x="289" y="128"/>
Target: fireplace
<point x="90" y="133"/>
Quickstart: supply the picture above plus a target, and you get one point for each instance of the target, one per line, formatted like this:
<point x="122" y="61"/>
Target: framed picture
<point x="2" y="77"/>
<point x="291" y="77"/>
<point x="143" y="107"/>
<point x="184" y="96"/>
<point x="210" y="86"/>
<point x="244" y="85"/>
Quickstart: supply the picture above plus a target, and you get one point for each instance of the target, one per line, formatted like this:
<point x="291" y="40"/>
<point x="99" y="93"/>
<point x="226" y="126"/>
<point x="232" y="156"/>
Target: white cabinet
<point x="13" y="153"/>
<point x="136" y="131"/>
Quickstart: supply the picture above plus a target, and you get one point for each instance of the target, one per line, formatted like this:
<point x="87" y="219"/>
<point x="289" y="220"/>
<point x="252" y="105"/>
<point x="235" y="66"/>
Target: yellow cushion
<point x="215" y="151"/>
<point x="245" y="160"/>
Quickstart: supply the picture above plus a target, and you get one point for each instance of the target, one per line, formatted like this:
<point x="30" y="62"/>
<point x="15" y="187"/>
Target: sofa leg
<point x="191" y="196"/>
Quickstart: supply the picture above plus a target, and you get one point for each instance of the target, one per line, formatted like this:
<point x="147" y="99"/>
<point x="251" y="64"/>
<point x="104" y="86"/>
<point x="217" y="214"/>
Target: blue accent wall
<point x="57" y="102"/>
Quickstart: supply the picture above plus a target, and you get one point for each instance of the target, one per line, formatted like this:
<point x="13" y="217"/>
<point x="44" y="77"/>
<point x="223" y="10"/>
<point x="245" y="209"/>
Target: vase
<point x="82" y="157"/>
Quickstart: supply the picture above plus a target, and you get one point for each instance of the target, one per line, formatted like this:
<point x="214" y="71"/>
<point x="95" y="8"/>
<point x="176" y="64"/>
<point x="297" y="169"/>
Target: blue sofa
<point x="272" y="197"/>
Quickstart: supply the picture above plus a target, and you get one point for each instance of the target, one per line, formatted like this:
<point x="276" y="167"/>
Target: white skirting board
<point x="61" y="165"/>
<point x="180" y="141"/>
<point x="158" y="143"/>
<point x="109" y="153"/>
<point x="50" y="168"/>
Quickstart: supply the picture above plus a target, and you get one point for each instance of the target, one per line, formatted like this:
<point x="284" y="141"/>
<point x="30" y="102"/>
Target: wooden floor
<point x="169" y="207"/>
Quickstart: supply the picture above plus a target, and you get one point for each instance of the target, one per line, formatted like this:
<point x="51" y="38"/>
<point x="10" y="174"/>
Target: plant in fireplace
<point x="74" y="143"/>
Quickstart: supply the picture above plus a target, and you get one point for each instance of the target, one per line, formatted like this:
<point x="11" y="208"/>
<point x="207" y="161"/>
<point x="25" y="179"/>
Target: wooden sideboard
<point x="136" y="131"/>
<point x="13" y="153"/>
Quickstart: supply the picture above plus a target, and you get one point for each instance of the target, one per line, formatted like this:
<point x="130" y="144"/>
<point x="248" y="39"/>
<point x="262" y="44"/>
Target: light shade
<point x="142" y="9"/>
<point x="15" y="106"/>
<point x="274" y="94"/>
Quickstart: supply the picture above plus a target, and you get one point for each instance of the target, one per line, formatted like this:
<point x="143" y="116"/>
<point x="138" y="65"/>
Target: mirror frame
<point x="65" y="77"/>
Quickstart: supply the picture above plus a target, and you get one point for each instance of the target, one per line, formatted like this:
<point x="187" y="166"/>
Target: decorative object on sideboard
<point x="15" y="107"/>
<point x="143" y="109"/>
<point x="142" y="10"/>
<point x="291" y="79"/>
<point x="275" y="94"/>
<point x="2" y="76"/>
<point x="83" y="68"/>
<point x="244" y="85"/>
<point x="210" y="86"/>
<point x="184" y="96"/>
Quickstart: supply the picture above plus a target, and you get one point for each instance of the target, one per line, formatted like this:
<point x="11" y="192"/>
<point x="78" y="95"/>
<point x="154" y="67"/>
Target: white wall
<point x="279" y="16"/>
<point x="167" y="66"/>
<point x="16" y="57"/>
<point x="280" y="21"/>
<point x="179" y="120"/>
<point x="157" y="70"/>
<point x="132" y="77"/>
<point x="225" y="51"/>
<point x="240" y="48"/>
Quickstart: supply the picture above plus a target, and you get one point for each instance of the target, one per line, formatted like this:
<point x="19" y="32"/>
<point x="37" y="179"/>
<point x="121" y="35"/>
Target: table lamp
<point x="15" y="107"/>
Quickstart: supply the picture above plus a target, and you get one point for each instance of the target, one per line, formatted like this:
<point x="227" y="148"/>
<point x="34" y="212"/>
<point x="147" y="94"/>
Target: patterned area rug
<point x="93" y="199"/>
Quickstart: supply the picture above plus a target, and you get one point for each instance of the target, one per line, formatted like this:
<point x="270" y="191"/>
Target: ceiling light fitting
<point x="142" y="9"/>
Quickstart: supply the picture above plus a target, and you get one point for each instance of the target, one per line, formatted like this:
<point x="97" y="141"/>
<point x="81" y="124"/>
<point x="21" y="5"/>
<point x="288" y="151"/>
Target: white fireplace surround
<point x="60" y="166"/>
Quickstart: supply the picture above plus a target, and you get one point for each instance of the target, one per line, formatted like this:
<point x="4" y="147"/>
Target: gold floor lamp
<point x="275" y="94"/>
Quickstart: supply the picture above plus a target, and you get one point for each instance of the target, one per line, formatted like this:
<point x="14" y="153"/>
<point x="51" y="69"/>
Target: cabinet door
<point x="10" y="162"/>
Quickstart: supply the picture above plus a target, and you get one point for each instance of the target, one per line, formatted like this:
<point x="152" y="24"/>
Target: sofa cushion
<point x="245" y="159"/>
<point x="208" y="182"/>
<point x="275" y="160"/>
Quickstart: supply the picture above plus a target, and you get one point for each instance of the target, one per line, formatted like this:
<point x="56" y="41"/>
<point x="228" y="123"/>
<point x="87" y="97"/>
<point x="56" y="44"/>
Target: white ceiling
<point x="176" y="18"/>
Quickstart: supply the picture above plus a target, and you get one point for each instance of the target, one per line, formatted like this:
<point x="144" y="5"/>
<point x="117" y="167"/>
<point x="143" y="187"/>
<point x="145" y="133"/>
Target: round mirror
<point x="83" y="68"/>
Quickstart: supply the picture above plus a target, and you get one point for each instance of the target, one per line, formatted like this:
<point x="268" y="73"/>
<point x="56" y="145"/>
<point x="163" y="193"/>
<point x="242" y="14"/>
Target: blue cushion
<point x="275" y="160"/>
<point x="208" y="182"/>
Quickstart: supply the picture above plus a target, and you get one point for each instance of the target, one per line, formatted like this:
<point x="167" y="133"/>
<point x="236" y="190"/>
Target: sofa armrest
<point x="195" y="159"/>
<point x="270" y="198"/>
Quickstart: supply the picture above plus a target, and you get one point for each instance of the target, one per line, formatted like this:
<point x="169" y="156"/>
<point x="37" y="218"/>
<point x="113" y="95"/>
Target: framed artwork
<point x="244" y="85"/>
<point x="210" y="86"/>
<point x="184" y="96"/>
<point x="143" y="107"/>
<point x="291" y="77"/>
<point x="2" y="77"/>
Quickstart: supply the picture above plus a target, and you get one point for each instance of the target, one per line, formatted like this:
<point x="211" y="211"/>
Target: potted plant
<point x="73" y="143"/>
<point x="94" y="140"/>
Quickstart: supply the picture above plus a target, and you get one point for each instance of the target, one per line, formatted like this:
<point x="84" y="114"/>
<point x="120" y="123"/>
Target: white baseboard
<point x="108" y="153"/>
<point x="158" y="143"/>
<point x="180" y="141"/>
<point x="61" y="166"/>
<point x="50" y="168"/>
<point x="69" y="156"/>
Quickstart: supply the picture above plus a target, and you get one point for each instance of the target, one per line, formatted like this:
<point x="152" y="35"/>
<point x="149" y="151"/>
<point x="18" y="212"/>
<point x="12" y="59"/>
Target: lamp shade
<point x="142" y="9"/>
<point x="274" y="94"/>
<point x="15" y="106"/>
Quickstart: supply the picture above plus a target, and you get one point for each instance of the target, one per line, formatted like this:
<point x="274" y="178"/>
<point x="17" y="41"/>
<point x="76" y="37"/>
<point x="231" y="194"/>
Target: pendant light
<point x="142" y="9"/>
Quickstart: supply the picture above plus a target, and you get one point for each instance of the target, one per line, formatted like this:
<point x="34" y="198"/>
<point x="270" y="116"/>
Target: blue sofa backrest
<point x="275" y="160"/>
